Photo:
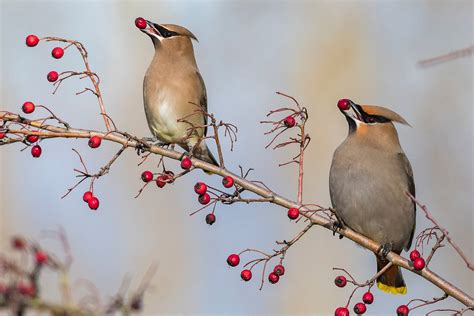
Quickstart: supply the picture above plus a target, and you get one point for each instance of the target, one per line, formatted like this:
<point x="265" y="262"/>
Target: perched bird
<point x="369" y="180"/>
<point x="173" y="89"/>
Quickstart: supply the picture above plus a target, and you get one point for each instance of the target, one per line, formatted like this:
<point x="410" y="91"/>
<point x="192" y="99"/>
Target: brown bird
<point x="172" y="90"/>
<point x="369" y="180"/>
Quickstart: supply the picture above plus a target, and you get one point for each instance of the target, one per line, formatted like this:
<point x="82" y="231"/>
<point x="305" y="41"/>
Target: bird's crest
<point x="381" y="111"/>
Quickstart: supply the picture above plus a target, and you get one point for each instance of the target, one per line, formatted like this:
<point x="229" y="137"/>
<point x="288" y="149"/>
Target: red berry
<point x="26" y="288"/>
<point x="340" y="281"/>
<point x="293" y="213"/>
<point x="273" y="278"/>
<point x="210" y="218"/>
<point x="36" y="151"/>
<point x="200" y="188"/>
<point x="32" y="40"/>
<point x="414" y="254"/>
<point x="57" y="52"/>
<point x="87" y="196"/>
<point x="32" y="138"/>
<point x="344" y="104"/>
<point x="246" y="275"/>
<point x="28" y="107"/>
<point x="94" y="141"/>
<point x="2" y="135"/>
<point x="360" y="308"/>
<point x="228" y="181"/>
<point x="289" y="121"/>
<point x="233" y="260"/>
<point x="186" y="163"/>
<point x="341" y="311"/>
<point x="419" y="263"/>
<point x="93" y="203"/>
<point x="41" y="257"/>
<point x="402" y="310"/>
<point x="18" y="243"/>
<point x="279" y="270"/>
<point x="161" y="180"/>
<point x="52" y="76"/>
<point x="204" y="199"/>
<point x="368" y="298"/>
<point x="140" y="23"/>
<point x="147" y="176"/>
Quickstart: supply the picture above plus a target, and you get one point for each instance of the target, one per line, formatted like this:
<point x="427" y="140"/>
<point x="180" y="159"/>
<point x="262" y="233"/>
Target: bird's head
<point x="370" y="120"/>
<point x="170" y="36"/>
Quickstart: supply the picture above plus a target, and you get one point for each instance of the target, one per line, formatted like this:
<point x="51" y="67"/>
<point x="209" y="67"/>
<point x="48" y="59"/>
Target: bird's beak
<point x="151" y="29"/>
<point x="350" y="109"/>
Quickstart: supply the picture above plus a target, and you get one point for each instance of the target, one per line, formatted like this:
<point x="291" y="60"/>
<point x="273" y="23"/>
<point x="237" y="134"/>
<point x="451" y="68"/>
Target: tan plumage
<point x="173" y="89"/>
<point x="369" y="178"/>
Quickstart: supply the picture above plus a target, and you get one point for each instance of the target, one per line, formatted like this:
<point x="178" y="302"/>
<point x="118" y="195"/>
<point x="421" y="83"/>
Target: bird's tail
<point x="392" y="280"/>
<point x="203" y="153"/>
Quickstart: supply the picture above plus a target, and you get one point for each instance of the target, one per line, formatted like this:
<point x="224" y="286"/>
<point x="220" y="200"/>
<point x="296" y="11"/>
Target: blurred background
<point x="316" y="51"/>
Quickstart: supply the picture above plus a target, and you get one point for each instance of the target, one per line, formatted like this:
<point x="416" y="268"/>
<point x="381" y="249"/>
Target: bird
<point x="369" y="179"/>
<point x="173" y="91"/>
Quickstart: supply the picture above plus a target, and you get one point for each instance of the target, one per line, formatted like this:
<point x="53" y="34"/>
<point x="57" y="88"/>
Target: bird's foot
<point x="154" y="141"/>
<point x="337" y="225"/>
<point x="385" y="249"/>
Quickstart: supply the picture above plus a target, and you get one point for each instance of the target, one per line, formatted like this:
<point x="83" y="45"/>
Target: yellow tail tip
<point x="392" y="289"/>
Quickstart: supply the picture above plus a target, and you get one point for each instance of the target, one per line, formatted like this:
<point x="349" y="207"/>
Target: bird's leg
<point x="155" y="141"/>
<point x="337" y="224"/>
<point x="385" y="249"/>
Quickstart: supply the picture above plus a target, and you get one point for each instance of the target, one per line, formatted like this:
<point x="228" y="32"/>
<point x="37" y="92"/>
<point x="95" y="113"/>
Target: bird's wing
<point x="203" y="101"/>
<point x="411" y="188"/>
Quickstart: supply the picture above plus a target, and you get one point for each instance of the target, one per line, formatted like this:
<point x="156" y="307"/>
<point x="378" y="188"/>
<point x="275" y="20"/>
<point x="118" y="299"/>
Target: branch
<point x="127" y="140"/>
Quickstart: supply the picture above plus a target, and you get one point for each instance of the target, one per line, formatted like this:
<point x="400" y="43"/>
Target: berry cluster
<point x="233" y="260"/>
<point x="417" y="260"/>
<point x="360" y="307"/>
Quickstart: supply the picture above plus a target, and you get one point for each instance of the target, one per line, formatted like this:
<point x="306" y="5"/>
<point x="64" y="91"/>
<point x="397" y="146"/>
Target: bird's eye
<point x="370" y="119"/>
<point x="167" y="34"/>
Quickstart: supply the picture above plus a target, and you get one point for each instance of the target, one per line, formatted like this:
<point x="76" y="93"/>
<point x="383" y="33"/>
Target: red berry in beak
<point x="414" y="254"/>
<point x="402" y="310"/>
<point x="2" y="135"/>
<point x="293" y="213"/>
<point x="273" y="278"/>
<point x="233" y="260"/>
<point x="52" y="76"/>
<point x="140" y="23"/>
<point x="147" y="176"/>
<point x="210" y="219"/>
<point x="87" y="196"/>
<point x="93" y="203"/>
<point x="279" y="270"/>
<point x="57" y="52"/>
<point x="344" y="104"/>
<point x="186" y="163"/>
<point x="204" y="199"/>
<point x="36" y="151"/>
<point x="289" y="121"/>
<point x="228" y="181"/>
<point x="28" y="107"/>
<point x="246" y="275"/>
<point x="94" y="141"/>
<point x="419" y="264"/>
<point x="32" y="40"/>
<point x="368" y="298"/>
<point x="340" y="281"/>
<point x="200" y="188"/>
<point x="360" y="308"/>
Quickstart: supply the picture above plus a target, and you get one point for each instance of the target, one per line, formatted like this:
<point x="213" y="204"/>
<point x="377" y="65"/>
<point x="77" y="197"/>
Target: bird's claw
<point x="337" y="225"/>
<point x="385" y="249"/>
